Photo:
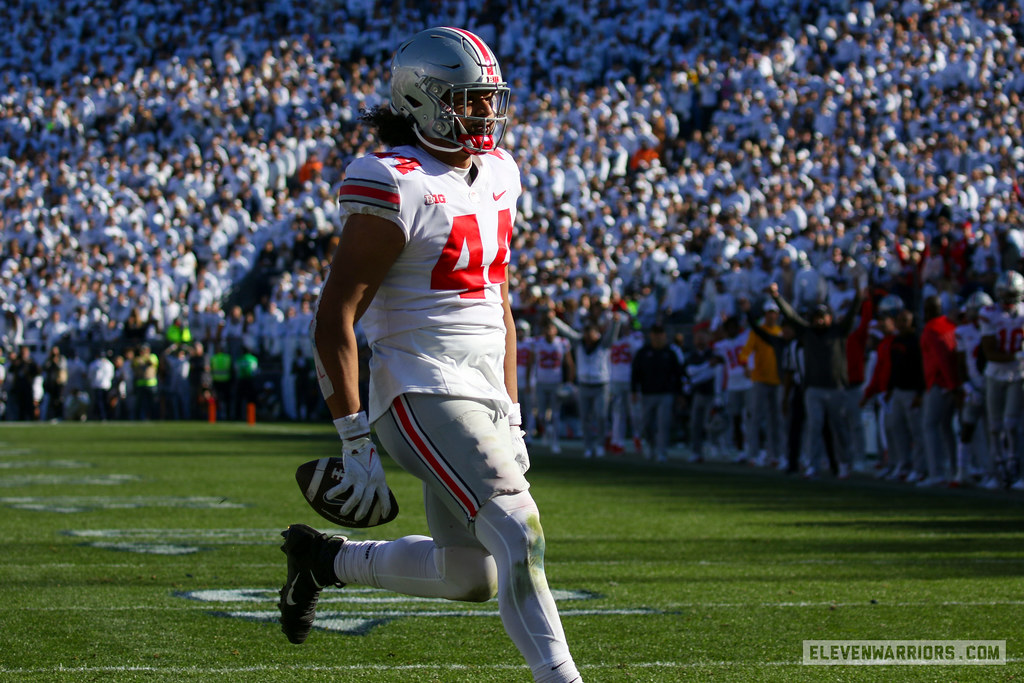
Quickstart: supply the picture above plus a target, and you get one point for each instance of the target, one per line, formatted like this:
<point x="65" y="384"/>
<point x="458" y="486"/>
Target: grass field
<point x="149" y="552"/>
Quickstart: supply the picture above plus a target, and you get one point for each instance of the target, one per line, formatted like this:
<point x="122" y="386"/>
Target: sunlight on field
<point x="155" y="557"/>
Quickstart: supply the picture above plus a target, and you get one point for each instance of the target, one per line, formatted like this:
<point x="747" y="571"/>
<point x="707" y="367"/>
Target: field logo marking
<point x="169" y="541"/>
<point x="380" y="607"/>
<point x="350" y="596"/>
<point x="147" y="548"/>
<point x="67" y="480"/>
<point x="44" y="464"/>
<point x="73" y="504"/>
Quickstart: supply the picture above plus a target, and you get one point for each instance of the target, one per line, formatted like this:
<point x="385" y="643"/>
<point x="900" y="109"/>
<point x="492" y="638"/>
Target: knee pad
<point x="509" y="527"/>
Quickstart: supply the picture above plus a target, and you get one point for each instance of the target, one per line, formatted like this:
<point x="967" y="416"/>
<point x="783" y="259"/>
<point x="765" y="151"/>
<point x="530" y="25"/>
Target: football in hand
<point x="317" y="477"/>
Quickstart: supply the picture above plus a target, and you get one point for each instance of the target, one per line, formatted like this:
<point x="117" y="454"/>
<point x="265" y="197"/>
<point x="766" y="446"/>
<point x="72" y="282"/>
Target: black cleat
<point x="310" y="568"/>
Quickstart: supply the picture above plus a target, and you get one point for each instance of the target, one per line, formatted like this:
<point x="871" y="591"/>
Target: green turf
<point x="671" y="573"/>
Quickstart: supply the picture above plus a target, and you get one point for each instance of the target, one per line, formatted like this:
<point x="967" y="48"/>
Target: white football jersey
<point x="1007" y="327"/>
<point x="968" y="342"/>
<point x="436" y="324"/>
<point x="548" y="357"/>
<point x="623" y="352"/>
<point x="736" y="378"/>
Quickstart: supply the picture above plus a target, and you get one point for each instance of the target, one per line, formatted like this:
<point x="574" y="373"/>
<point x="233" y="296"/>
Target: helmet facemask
<point x="475" y="134"/>
<point x="437" y="80"/>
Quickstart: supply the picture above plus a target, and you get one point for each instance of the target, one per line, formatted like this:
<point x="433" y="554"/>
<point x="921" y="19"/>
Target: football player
<point x="623" y="409"/>
<point x="1002" y="329"/>
<point x="524" y="376"/>
<point x="422" y="264"/>
<point x="552" y="362"/>
<point x="734" y="384"/>
<point x="972" y="390"/>
<point x="876" y="392"/>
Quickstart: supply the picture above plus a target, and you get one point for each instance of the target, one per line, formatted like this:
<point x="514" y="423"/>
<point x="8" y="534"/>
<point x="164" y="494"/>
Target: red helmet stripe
<point x="486" y="56"/>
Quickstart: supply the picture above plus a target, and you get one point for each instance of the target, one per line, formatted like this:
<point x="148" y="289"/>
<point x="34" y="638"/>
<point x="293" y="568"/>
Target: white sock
<point x="565" y="672"/>
<point x="413" y="565"/>
<point x="354" y="562"/>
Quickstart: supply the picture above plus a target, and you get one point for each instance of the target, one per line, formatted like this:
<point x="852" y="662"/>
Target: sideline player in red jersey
<point x="422" y="264"/>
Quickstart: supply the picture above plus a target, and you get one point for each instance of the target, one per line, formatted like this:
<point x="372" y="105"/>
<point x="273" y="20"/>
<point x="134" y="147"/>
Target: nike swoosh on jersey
<point x="498" y="195"/>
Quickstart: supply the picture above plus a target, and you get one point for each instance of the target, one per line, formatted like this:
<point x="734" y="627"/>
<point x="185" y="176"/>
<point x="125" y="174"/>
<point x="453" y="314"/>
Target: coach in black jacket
<point x="825" y="373"/>
<point x="657" y="378"/>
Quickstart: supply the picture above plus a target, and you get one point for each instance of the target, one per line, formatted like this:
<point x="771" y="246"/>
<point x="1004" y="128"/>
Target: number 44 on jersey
<point x="461" y="265"/>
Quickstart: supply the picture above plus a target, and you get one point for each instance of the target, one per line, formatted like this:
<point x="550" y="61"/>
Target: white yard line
<point x="215" y="670"/>
<point x="662" y="609"/>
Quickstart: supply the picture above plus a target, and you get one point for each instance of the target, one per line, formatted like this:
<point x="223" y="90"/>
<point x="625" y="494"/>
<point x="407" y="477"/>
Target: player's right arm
<point x="963" y="376"/>
<point x="369" y="245"/>
<point x="993" y="352"/>
<point x="994" y="341"/>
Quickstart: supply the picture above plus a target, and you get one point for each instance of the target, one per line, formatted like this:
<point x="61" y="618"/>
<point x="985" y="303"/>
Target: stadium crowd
<point x="166" y="199"/>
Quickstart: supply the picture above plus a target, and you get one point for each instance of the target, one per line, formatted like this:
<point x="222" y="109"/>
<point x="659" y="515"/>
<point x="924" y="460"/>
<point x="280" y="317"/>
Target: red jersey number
<point x="465" y="236"/>
<point x="549" y="359"/>
<point x="1010" y="340"/>
<point x="403" y="164"/>
<point x="621" y="355"/>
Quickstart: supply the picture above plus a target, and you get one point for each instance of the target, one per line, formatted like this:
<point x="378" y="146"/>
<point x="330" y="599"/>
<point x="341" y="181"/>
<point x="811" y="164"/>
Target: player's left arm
<point x="511" y="344"/>
<point x="515" y="417"/>
<point x="368" y="247"/>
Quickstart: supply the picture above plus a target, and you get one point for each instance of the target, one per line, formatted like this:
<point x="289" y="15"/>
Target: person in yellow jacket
<point x="765" y="396"/>
<point x="221" y="366"/>
<point x="145" y="366"/>
<point x="179" y="332"/>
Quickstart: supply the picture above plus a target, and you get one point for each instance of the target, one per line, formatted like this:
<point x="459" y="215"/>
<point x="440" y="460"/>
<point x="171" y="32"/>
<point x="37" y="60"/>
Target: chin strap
<point x="437" y="148"/>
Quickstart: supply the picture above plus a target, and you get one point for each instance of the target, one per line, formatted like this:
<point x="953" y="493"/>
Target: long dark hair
<point x="392" y="129"/>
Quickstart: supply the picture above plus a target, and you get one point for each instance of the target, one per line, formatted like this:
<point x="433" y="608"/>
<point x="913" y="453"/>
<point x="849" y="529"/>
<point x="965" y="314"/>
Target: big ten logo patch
<point x="431" y="199"/>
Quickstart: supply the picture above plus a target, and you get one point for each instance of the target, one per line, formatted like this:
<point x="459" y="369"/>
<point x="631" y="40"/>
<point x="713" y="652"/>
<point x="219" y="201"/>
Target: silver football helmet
<point x="975" y="302"/>
<point x="439" y="71"/>
<point x="889" y="306"/>
<point x="1010" y="287"/>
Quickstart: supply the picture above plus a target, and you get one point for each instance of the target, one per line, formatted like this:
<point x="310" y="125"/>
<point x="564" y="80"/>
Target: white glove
<point x="363" y="472"/>
<point x="515" y="424"/>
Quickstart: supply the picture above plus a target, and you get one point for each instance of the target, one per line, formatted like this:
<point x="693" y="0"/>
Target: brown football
<point x="317" y="477"/>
